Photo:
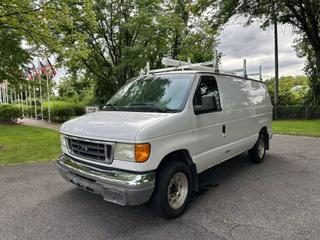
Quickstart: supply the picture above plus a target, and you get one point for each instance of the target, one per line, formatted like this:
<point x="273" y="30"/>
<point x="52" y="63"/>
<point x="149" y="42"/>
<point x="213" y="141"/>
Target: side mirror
<point x="197" y="109"/>
<point x="208" y="105"/>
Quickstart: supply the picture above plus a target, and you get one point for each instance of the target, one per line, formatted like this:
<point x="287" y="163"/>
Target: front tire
<point x="173" y="187"/>
<point x="257" y="153"/>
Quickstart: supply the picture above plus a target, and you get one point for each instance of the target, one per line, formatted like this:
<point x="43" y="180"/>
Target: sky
<point x="257" y="46"/>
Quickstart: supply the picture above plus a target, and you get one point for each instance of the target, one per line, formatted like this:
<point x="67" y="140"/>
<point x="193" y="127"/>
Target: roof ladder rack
<point x="210" y="66"/>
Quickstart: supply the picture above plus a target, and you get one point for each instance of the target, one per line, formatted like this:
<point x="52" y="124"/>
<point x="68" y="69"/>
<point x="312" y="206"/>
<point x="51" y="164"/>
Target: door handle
<point x="224" y="129"/>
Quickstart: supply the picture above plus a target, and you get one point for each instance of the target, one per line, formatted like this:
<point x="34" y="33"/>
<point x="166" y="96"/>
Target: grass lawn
<point x="297" y="127"/>
<point x="20" y="144"/>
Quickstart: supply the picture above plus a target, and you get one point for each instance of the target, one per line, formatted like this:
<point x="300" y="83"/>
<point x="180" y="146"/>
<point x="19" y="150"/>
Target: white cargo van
<point x="159" y="131"/>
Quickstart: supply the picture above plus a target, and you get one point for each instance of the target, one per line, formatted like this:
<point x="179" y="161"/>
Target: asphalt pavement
<point x="278" y="199"/>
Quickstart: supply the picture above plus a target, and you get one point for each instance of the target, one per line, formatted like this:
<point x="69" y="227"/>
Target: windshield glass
<point x="158" y="93"/>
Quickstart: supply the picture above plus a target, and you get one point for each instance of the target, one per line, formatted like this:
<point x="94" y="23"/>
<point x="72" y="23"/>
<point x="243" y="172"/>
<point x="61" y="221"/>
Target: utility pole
<point x="245" y="68"/>
<point x="276" y="60"/>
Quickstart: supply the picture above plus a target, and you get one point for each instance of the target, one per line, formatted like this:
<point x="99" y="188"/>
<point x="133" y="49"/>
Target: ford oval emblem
<point x="84" y="148"/>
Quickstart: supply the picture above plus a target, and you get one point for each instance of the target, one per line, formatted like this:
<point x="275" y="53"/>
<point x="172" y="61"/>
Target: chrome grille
<point x="93" y="150"/>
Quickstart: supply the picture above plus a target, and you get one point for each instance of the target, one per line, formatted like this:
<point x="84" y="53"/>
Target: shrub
<point x="79" y="109"/>
<point x="9" y="112"/>
<point x="28" y="111"/>
<point x="63" y="111"/>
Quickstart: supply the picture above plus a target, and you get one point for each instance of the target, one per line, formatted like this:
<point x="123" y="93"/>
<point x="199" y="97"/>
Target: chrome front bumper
<point x="124" y="188"/>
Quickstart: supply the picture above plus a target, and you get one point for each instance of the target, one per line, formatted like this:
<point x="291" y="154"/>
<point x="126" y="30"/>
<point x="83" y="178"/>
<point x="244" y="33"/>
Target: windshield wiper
<point x="110" y="105"/>
<point x="158" y="109"/>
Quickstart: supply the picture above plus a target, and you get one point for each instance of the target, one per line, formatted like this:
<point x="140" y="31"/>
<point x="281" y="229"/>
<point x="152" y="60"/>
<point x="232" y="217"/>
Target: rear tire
<point x="172" y="192"/>
<point x="257" y="153"/>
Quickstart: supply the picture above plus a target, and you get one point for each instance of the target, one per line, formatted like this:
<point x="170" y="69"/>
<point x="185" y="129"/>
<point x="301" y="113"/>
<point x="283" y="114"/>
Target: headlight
<point x="124" y="152"/>
<point x="63" y="143"/>
<point x="132" y="152"/>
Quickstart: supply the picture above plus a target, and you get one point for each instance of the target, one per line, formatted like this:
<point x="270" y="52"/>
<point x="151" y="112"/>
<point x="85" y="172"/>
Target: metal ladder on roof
<point x="210" y="66"/>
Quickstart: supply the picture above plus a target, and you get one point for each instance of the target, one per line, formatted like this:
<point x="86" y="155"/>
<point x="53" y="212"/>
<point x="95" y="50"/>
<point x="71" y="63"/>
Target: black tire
<point x="256" y="154"/>
<point x="160" y="200"/>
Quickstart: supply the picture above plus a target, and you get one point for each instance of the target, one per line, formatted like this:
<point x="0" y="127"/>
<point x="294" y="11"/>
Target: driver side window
<point x="206" y="98"/>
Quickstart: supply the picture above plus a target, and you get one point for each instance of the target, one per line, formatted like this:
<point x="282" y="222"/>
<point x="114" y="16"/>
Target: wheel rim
<point x="177" y="190"/>
<point x="261" y="148"/>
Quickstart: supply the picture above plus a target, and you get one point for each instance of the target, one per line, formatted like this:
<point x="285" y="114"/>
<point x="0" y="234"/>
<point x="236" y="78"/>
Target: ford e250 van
<point x="159" y="131"/>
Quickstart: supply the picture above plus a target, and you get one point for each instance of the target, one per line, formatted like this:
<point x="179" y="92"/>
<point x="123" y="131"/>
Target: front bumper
<point x="124" y="188"/>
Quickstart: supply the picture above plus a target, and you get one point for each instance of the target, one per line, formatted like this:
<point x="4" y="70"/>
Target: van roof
<point x="203" y="72"/>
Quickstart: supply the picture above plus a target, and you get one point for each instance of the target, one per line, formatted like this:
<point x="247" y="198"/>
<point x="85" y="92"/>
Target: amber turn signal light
<point x="142" y="152"/>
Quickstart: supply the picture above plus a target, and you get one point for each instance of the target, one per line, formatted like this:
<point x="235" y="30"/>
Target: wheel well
<point x="264" y="131"/>
<point x="183" y="156"/>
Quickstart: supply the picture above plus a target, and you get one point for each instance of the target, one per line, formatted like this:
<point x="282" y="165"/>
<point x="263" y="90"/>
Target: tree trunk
<point x="317" y="56"/>
<point x="175" y="46"/>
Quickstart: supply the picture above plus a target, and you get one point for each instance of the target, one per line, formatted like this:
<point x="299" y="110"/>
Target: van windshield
<point x="153" y="93"/>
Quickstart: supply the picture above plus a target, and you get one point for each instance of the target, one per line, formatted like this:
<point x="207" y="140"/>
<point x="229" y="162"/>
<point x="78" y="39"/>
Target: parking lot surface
<point x="278" y="199"/>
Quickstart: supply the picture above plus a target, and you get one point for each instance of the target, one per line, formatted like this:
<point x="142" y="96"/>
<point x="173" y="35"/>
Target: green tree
<point x="292" y="90"/>
<point x="12" y="56"/>
<point x="109" y="41"/>
<point x="76" y="89"/>
<point x="112" y="40"/>
<point x="304" y="49"/>
<point x="21" y="22"/>
<point x="27" y="18"/>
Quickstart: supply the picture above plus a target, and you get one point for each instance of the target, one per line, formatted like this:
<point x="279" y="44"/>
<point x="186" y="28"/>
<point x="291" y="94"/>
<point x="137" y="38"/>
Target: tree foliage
<point x="292" y="90"/>
<point x="112" y="40"/>
<point x="76" y="89"/>
<point x="303" y="15"/>
<point x="12" y="56"/>
<point x="304" y="49"/>
<point x="109" y="41"/>
<point x="21" y="22"/>
<point x="28" y="18"/>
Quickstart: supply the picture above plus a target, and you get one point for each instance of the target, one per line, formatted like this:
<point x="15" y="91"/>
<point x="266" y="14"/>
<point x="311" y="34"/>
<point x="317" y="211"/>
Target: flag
<point x="35" y="72"/>
<point x="53" y="71"/>
<point x="28" y="73"/>
<point x="43" y="68"/>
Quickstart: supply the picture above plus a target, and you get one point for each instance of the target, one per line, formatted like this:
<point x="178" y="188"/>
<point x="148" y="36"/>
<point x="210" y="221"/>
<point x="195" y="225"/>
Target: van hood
<point x="110" y="125"/>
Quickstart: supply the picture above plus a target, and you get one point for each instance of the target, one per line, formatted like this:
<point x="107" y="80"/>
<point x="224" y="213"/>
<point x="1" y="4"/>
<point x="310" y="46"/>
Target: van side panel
<point x="247" y="109"/>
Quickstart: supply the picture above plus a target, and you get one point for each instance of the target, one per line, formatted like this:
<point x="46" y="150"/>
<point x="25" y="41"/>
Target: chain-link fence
<point x="296" y="112"/>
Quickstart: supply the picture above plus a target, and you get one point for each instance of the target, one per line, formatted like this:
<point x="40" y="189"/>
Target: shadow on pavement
<point x="220" y="173"/>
